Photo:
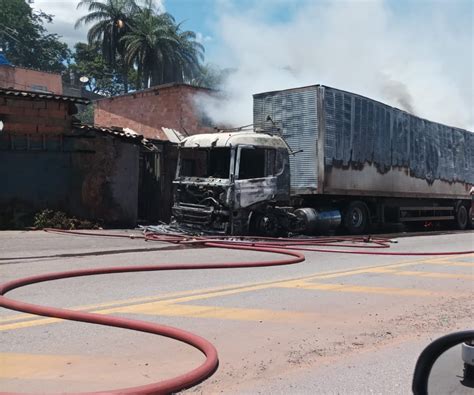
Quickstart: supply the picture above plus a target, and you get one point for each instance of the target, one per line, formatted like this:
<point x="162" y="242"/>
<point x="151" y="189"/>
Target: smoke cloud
<point x="417" y="60"/>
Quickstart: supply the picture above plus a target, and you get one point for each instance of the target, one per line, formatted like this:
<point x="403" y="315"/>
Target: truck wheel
<point x="356" y="217"/>
<point x="461" y="217"/>
<point x="470" y="219"/>
<point x="264" y="225"/>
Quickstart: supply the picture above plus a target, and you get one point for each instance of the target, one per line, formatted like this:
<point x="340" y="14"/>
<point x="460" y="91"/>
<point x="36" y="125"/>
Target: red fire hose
<point x="207" y="368"/>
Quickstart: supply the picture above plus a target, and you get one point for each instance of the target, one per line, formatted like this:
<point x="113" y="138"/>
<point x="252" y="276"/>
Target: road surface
<point x="335" y="323"/>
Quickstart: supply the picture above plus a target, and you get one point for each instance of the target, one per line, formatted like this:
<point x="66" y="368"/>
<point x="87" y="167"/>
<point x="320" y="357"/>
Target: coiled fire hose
<point x="285" y="247"/>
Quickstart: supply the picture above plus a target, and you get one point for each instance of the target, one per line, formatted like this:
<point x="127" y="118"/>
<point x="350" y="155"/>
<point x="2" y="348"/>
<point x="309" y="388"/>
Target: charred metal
<point x="320" y="158"/>
<point x="227" y="182"/>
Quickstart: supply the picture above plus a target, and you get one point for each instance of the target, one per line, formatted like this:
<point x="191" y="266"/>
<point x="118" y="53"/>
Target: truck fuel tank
<point x="318" y="221"/>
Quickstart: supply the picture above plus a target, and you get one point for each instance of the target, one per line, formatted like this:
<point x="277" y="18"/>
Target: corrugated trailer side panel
<point x="357" y="130"/>
<point x="295" y="116"/>
<point x="372" y="148"/>
<point x="367" y="147"/>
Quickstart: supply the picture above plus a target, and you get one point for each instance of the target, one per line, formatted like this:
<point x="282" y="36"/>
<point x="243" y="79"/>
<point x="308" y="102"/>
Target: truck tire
<point x="264" y="224"/>
<point x="470" y="219"/>
<point x="356" y="217"/>
<point x="461" y="217"/>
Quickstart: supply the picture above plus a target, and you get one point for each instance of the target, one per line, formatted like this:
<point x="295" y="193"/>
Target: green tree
<point x="26" y="41"/>
<point x="111" y="20"/>
<point x="101" y="78"/>
<point x="159" y="50"/>
<point x="148" y="44"/>
<point x="184" y="63"/>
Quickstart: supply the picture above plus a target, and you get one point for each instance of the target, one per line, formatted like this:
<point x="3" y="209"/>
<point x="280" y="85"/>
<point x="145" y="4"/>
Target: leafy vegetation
<point x="131" y="45"/>
<point x="59" y="220"/>
<point x="102" y="78"/>
<point x="111" y="21"/>
<point x="86" y="115"/>
<point x="23" y="36"/>
<point x="140" y="40"/>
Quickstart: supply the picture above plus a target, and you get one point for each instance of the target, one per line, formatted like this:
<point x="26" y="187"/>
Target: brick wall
<point x="12" y="77"/>
<point x="26" y="115"/>
<point x="170" y="106"/>
<point x="7" y="76"/>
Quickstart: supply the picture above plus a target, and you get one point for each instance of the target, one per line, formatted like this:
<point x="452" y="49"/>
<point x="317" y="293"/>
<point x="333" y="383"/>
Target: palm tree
<point x="159" y="50"/>
<point x="148" y="44"/>
<point x="185" y="63"/>
<point x="112" y="20"/>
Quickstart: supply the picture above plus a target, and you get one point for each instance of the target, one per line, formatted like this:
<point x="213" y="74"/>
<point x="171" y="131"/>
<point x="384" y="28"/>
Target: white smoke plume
<point x="420" y="60"/>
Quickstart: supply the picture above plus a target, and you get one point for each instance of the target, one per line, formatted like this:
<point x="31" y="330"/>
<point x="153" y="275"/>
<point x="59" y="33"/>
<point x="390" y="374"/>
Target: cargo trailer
<point x="320" y="158"/>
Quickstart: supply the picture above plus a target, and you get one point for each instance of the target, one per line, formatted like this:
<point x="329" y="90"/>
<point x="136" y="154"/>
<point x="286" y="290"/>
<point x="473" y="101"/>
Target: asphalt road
<point x="335" y="323"/>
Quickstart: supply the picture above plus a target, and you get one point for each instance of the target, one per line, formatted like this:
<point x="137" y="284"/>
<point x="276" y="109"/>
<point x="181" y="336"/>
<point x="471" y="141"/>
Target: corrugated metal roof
<point x="124" y="133"/>
<point x="42" y="96"/>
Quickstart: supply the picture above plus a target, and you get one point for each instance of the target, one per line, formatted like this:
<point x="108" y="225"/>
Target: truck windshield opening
<point x="205" y="162"/>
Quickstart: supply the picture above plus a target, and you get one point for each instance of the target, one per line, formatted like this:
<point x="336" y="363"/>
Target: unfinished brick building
<point x="48" y="161"/>
<point x="147" y="111"/>
<point x="20" y="78"/>
<point x="36" y="113"/>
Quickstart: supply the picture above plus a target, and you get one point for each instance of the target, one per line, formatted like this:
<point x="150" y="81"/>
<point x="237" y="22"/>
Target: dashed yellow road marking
<point x="67" y="368"/>
<point x="224" y="313"/>
<point x="451" y="263"/>
<point x="455" y="276"/>
<point x="27" y="324"/>
<point x="200" y="293"/>
<point x="36" y="366"/>
<point x="360" y="289"/>
<point x="187" y="296"/>
<point x="449" y="259"/>
<point x="373" y="269"/>
<point x="144" y="299"/>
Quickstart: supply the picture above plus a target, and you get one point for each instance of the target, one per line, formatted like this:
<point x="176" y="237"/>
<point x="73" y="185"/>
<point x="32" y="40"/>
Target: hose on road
<point x="286" y="247"/>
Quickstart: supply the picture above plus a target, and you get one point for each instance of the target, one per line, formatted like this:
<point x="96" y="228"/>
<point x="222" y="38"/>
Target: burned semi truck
<point x="318" y="159"/>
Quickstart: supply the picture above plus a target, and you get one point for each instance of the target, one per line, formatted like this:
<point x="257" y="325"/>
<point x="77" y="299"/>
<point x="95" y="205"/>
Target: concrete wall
<point x="26" y="115"/>
<point x="12" y="77"/>
<point x="108" y="180"/>
<point x="146" y="111"/>
<point x="86" y="175"/>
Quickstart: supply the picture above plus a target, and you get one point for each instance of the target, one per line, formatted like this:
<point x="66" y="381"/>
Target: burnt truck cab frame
<point x="232" y="183"/>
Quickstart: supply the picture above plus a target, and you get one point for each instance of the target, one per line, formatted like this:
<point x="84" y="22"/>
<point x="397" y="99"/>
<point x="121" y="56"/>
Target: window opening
<point x="208" y="162"/>
<point x="256" y="163"/>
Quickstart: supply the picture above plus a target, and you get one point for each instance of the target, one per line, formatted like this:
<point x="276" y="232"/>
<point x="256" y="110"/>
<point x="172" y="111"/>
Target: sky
<point x="414" y="55"/>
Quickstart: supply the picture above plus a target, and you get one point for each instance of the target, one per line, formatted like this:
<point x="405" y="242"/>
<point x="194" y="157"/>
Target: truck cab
<point x="230" y="182"/>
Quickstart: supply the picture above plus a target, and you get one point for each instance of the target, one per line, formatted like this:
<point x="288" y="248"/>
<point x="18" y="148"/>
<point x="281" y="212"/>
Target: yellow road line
<point x="451" y="263"/>
<point x="367" y="270"/>
<point x="451" y="258"/>
<point x="115" y="303"/>
<point x="27" y="324"/>
<point x="361" y="289"/>
<point x="455" y="276"/>
<point x="186" y="296"/>
<point x="273" y="284"/>
<point x="67" y="368"/>
<point x="171" y="295"/>
<point x="36" y="366"/>
<point x="225" y="313"/>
